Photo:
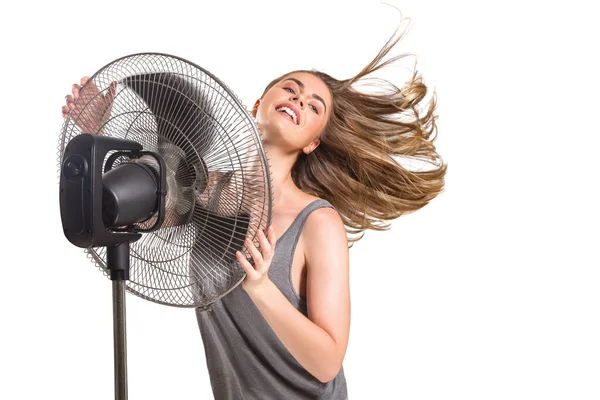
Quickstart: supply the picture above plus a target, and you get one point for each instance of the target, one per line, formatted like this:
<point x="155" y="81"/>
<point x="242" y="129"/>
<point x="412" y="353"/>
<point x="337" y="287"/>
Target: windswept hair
<point x="357" y="165"/>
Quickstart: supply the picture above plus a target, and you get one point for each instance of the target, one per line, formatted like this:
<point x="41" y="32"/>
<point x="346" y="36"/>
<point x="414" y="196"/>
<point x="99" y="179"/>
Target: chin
<point x="274" y="129"/>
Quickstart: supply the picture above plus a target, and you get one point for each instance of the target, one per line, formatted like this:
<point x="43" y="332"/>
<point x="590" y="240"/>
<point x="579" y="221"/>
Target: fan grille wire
<point x="217" y="173"/>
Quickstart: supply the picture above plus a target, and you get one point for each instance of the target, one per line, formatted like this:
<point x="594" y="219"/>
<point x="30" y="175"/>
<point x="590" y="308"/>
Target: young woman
<point x="283" y="333"/>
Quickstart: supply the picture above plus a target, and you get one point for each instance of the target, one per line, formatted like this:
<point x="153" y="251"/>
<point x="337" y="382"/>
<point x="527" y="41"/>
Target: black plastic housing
<point x="82" y="188"/>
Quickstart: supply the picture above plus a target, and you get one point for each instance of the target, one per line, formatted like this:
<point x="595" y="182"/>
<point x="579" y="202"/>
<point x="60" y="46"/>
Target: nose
<point x="297" y="98"/>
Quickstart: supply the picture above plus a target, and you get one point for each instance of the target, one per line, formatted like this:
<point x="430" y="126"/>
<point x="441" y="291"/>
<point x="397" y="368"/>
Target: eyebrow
<point x="316" y="96"/>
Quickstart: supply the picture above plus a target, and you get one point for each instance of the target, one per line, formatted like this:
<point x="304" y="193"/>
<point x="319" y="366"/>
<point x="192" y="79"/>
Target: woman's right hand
<point x="97" y="105"/>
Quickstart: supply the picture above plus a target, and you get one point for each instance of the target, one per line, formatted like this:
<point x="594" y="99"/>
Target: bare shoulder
<point x="323" y="217"/>
<point x="324" y="227"/>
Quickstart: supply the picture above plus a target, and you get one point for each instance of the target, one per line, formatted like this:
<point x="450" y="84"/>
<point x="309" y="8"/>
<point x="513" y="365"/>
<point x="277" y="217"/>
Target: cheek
<point x="262" y="114"/>
<point x="317" y="124"/>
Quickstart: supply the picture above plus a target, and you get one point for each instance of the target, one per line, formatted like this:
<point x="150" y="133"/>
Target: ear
<point x="255" y="108"/>
<point x="311" y="147"/>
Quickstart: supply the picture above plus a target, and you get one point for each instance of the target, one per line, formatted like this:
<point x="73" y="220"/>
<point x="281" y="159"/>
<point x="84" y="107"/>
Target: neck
<point x="284" y="188"/>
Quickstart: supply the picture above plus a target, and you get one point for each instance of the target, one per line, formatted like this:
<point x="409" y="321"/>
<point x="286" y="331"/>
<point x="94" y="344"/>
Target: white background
<point x="489" y="292"/>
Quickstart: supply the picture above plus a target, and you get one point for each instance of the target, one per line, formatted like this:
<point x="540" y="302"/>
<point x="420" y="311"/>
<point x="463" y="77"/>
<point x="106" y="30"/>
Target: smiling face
<point x="294" y="111"/>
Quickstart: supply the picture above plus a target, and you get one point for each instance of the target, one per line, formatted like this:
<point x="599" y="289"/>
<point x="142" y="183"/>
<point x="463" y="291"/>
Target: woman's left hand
<point x="257" y="275"/>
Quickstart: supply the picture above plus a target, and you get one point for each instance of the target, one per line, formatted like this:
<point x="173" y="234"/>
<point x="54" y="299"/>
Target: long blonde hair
<point x="354" y="167"/>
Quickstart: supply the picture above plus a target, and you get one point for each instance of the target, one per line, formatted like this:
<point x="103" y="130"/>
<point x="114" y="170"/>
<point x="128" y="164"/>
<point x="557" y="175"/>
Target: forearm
<point x="308" y="343"/>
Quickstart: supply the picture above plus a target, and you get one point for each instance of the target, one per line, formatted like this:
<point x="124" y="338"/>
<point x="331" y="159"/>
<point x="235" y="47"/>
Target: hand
<point x="97" y="105"/>
<point x="258" y="274"/>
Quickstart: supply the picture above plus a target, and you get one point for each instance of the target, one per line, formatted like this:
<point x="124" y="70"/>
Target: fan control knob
<point x="74" y="167"/>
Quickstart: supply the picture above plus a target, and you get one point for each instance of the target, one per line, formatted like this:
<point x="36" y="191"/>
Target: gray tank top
<point x="245" y="359"/>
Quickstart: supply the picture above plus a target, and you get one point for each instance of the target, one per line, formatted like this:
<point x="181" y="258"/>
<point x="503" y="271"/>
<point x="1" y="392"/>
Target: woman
<point x="283" y="333"/>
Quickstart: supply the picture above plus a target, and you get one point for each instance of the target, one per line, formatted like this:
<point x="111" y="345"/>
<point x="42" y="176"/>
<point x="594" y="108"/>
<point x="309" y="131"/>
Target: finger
<point x="90" y="87"/>
<point x="253" y="251"/>
<point x="112" y="90"/>
<point x="271" y="236"/>
<point x="65" y="111"/>
<point x="265" y="245"/>
<point x="246" y="265"/>
<point x="75" y="89"/>
<point x="83" y="82"/>
<point x="70" y="103"/>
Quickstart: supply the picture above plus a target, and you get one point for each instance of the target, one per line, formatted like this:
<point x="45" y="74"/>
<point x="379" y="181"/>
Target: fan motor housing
<point x="91" y="203"/>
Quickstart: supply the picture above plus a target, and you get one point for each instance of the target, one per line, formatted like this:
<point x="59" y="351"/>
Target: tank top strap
<point x="296" y="227"/>
<point x="281" y="268"/>
<point x="294" y="231"/>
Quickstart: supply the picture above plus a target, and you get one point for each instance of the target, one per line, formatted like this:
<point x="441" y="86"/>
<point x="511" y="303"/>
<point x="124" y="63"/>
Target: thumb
<point x="112" y="90"/>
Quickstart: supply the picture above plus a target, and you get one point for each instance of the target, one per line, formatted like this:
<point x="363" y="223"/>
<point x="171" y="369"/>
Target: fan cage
<point x="218" y="174"/>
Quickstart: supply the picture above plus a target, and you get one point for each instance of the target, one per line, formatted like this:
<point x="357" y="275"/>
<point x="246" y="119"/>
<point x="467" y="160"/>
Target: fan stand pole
<point x="117" y="261"/>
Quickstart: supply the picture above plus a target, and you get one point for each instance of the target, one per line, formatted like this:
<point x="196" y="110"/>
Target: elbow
<point x="325" y="378"/>
<point x="331" y="365"/>
<point x="332" y="368"/>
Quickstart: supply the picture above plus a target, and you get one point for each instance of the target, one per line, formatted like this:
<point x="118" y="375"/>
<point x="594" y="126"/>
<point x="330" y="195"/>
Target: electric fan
<point x="162" y="178"/>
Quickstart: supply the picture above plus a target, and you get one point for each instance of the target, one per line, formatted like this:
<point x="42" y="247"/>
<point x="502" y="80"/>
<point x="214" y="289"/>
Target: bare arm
<point x="318" y="342"/>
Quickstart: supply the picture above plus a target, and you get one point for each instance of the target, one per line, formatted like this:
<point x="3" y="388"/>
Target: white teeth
<point x="290" y="112"/>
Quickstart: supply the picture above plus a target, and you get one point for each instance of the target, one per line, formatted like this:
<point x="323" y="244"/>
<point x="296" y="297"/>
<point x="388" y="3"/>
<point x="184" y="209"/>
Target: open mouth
<point x="289" y="113"/>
